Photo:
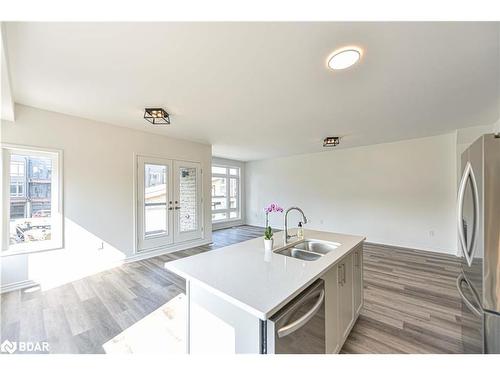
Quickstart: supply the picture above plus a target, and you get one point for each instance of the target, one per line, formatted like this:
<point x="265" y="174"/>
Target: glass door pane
<point x="188" y="198"/>
<point x="155" y="199"/>
<point x="187" y="201"/>
<point x="154" y="203"/>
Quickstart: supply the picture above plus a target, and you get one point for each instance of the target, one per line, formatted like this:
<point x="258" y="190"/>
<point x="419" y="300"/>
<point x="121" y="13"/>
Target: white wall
<point x="400" y="193"/>
<point x="241" y="165"/>
<point x="98" y="184"/>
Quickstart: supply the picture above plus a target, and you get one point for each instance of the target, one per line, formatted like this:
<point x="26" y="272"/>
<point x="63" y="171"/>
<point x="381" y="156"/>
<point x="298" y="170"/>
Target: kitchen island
<point x="234" y="292"/>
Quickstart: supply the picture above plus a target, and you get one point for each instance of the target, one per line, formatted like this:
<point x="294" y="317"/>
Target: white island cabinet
<point x="234" y="293"/>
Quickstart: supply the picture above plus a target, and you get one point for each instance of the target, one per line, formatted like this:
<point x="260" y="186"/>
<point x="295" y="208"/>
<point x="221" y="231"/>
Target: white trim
<point x="8" y="112"/>
<point x="165" y="250"/>
<point x="223" y="224"/>
<point x="57" y="188"/>
<point x="239" y="181"/>
<point x="17" y="285"/>
<point x="432" y="251"/>
<point x="166" y="238"/>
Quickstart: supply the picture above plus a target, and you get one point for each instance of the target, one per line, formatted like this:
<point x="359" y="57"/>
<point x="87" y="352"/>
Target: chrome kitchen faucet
<point x="304" y="220"/>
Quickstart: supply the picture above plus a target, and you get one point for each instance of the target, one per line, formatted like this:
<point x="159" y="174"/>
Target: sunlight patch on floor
<point x="163" y="331"/>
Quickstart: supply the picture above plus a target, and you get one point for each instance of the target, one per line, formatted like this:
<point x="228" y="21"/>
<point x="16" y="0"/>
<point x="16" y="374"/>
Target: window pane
<point x="219" y="200"/>
<point x="155" y="199"/>
<point x="233" y="215"/>
<point x="187" y="191"/>
<point x="234" y="171"/>
<point x="219" y="170"/>
<point x="219" y="216"/>
<point x="233" y="193"/>
<point x="30" y="215"/>
<point x="155" y="219"/>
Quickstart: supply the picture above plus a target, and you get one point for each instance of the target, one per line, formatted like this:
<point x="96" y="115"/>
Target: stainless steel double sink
<point x="308" y="249"/>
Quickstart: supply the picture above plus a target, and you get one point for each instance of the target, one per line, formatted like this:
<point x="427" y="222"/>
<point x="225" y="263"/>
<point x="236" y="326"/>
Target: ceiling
<point x="261" y="90"/>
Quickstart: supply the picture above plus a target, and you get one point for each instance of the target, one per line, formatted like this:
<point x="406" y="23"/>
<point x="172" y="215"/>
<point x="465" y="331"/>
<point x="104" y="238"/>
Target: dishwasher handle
<point x="292" y="327"/>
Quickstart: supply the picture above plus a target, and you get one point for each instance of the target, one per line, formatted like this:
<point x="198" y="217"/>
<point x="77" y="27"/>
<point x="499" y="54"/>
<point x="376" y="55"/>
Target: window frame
<point x="227" y="176"/>
<point x="142" y="241"/>
<point x="57" y="192"/>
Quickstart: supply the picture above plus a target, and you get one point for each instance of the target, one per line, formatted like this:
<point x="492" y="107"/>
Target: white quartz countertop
<point x="243" y="275"/>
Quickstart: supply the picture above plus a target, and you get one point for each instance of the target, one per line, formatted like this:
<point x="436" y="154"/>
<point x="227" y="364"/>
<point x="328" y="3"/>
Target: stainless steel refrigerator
<point x="479" y="241"/>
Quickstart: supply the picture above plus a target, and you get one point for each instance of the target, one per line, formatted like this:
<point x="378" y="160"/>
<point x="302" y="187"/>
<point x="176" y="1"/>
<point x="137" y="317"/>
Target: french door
<point x="187" y="201"/>
<point x="168" y="202"/>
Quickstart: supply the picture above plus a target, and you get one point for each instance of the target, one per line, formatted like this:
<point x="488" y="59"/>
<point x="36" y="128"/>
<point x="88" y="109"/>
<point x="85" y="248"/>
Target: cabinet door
<point x="332" y="285"/>
<point x="358" y="279"/>
<point x="187" y="201"/>
<point x="345" y="294"/>
<point x="154" y="199"/>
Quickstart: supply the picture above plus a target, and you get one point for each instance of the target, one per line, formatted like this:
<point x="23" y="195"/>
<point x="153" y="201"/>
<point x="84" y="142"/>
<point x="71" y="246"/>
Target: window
<point x="225" y="193"/>
<point x="155" y="199"/>
<point x="32" y="215"/>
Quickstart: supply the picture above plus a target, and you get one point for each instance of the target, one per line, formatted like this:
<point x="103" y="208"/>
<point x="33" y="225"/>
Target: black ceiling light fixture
<point x="157" y="116"/>
<point x="331" y="141"/>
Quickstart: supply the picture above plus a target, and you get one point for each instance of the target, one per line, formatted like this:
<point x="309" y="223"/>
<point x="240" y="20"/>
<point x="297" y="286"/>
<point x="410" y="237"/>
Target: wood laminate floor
<point x="411" y="305"/>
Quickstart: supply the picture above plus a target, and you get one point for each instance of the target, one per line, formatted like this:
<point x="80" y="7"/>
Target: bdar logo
<point x="8" y="347"/>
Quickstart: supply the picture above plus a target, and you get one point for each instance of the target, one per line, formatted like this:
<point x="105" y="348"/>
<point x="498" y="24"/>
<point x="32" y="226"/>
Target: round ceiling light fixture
<point x="344" y="58"/>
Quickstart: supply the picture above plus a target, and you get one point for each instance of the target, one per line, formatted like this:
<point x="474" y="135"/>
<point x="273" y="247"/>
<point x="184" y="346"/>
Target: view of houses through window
<point x="30" y="198"/>
<point x="155" y="199"/>
<point x="225" y="193"/>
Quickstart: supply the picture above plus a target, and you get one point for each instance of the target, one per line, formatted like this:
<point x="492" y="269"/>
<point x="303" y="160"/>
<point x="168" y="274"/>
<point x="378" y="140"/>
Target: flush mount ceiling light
<point x="331" y="141"/>
<point x="157" y="116"/>
<point x="344" y="58"/>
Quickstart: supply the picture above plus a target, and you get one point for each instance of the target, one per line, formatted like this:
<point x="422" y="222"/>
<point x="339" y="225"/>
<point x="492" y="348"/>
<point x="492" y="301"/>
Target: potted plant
<point x="268" y="232"/>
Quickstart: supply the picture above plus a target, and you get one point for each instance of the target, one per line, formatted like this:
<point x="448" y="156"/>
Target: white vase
<point x="268" y="244"/>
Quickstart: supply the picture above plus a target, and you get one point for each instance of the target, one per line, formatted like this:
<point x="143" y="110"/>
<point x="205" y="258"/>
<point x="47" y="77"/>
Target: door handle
<point x="343" y="274"/>
<point x="300" y="322"/>
<point x="177" y="207"/>
<point x="478" y="311"/>
<point x="468" y="172"/>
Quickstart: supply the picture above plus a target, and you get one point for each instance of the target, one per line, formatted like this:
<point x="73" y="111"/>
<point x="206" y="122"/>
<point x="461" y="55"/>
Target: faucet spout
<point x="304" y="220"/>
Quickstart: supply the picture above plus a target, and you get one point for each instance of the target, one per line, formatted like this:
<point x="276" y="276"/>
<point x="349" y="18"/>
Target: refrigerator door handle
<point x="476" y="310"/>
<point x="467" y="250"/>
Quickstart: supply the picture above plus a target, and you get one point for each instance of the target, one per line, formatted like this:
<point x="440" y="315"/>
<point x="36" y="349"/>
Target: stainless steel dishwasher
<point x="299" y="328"/>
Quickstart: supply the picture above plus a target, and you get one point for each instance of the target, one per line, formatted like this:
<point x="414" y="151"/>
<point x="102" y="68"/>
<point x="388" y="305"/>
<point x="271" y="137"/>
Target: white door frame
<point x="151" y="242"/>
<point x="180" y="236"/>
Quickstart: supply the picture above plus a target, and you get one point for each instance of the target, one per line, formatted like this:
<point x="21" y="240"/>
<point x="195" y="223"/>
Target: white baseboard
<point x="153" y="253"/>
<point x="227" y="224"/>
<point x="17" y="285"/>
<point x="134" y="258"/>
<point x="444" y="253"/>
